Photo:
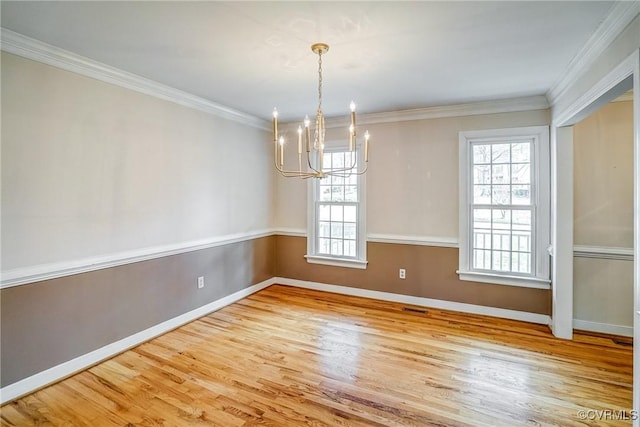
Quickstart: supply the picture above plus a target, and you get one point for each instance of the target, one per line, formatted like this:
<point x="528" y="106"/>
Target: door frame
<point x="623" y="77"/>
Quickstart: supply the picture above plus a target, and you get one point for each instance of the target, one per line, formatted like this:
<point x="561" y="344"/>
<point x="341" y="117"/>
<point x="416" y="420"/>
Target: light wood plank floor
<point x="289" y="357"/>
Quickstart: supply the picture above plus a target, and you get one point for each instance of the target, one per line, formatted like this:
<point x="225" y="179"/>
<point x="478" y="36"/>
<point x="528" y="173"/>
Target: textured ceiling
<point x="252" y="56"/>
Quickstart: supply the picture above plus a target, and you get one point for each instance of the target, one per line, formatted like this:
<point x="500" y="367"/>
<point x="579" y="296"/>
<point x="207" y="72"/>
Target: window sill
<point x="337" y="262"/>
<point x="499" y="279"/>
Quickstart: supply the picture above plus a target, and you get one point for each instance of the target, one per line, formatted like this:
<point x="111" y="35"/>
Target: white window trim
<point x="360" y="262"/>
<point x="540" y="135"/>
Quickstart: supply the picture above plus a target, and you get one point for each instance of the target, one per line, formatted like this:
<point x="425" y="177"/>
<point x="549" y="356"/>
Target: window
<point x="504" y="206"/>
<point x="336" y="230"/>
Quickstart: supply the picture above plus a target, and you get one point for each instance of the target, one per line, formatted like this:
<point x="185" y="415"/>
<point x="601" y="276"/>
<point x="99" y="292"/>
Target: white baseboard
<point x="603" y="328"/>
<point x="419" y="301"/>
<point x="66" y="369"/>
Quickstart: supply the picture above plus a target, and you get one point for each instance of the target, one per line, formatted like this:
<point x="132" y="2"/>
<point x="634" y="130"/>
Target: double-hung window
<point x="336" y="214"/>
<point x="504" y="206"/>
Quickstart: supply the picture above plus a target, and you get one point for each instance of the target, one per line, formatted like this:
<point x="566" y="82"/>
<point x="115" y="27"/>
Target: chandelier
<point x="315" y="148"/>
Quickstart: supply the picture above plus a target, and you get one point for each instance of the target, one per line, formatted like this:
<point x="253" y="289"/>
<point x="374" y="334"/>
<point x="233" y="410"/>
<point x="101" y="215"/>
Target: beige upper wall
<point x="92" y="169"/>
<point x="412" y="182"/>
<point x="603" y="177"/>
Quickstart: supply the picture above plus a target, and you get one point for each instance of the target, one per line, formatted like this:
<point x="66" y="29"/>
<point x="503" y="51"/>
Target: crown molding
<point x="457" y="110"/>
<point x="619" y="17"/>
<point x="36" y="50"/>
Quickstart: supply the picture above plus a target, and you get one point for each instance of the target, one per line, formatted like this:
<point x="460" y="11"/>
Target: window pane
<point x="336" y="213"/>
<point x="352" y="179"/>
<point x="350" y="159"/>
<point x="521" y="242"/>
<point x="500" y="174"/>
<point x="338" y="160"/>
<point x="522" y="220"/>
<point x="350" y="214"/>
<point x="482" y="238"/>
<point x="351" y="193"/>
<point x="501" y="153"/>
<point x="349" y="231"/>
<point x="500" y="219"/>
<point x="337" y="180"/>
<point x="337" y="193"/>
<point x="500" y="195"/>
<point x="521" y="173"/>
<point x="350" y="248"/>
<point x="521" y="263"/>
<point x="501" y="260"/>
<point x="325" y="193"/>
<point x="481" y="153"/>
<point x="324" y="229"/>
<point x="521" y="152"/>
<point x="521" y="195"/>
<point x="336" y="247"/>
<point x="482" y="259"/>
<point x="326" y="161"/>
<point x="324" y="246"/>
<point x="482" y="219"/>
<point x="336" y="230"/>
<point x="482" y="174"/>
<point x="324" y="212"/>
<point x="482" y="194"/>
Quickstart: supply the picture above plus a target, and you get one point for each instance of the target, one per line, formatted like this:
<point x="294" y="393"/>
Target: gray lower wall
<point x="47" y="323"/>
<point x="431" y="273"/>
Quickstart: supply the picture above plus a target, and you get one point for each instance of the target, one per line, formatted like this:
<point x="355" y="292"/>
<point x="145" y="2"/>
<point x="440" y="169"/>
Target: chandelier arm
<point x="309" y="163"/>
<point x="288" y="174"/>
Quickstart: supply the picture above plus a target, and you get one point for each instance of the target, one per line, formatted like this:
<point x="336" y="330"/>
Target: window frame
<point x="540" y="206"/>
<point x="313" y="188"/>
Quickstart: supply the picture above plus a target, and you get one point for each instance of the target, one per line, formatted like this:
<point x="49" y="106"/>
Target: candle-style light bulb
<point x="352" y="128"/>
<point x="299" y="139"/>
<point x="351" y="138"/>
<point x="366" y="146"/>
<point x="307" y="134"/>
<point x="275" y="124"/>
<point x="281" y="151"/>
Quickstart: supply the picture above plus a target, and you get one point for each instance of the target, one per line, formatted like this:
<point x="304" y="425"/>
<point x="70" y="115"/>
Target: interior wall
<point x="603" y="216"/>
<point x="411" y="194"/>
<point x="412" y="182"/>
<point x="430" y="273"/>
<point x="90" y="169"/>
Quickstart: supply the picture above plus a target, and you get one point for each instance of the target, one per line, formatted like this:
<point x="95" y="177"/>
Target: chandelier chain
<point x="320" y="81"/>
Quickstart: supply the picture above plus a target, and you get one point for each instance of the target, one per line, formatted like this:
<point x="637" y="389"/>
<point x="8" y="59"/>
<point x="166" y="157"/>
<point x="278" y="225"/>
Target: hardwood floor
<point x="288" y="357"/>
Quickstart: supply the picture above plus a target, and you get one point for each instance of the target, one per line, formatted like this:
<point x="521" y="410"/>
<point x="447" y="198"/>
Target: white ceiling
<point x="386" y="56"/>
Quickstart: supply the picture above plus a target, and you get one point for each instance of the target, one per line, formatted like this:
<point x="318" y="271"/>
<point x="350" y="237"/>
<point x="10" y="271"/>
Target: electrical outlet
<point x="200" y="282"/>
<point x="403" y="273"/>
